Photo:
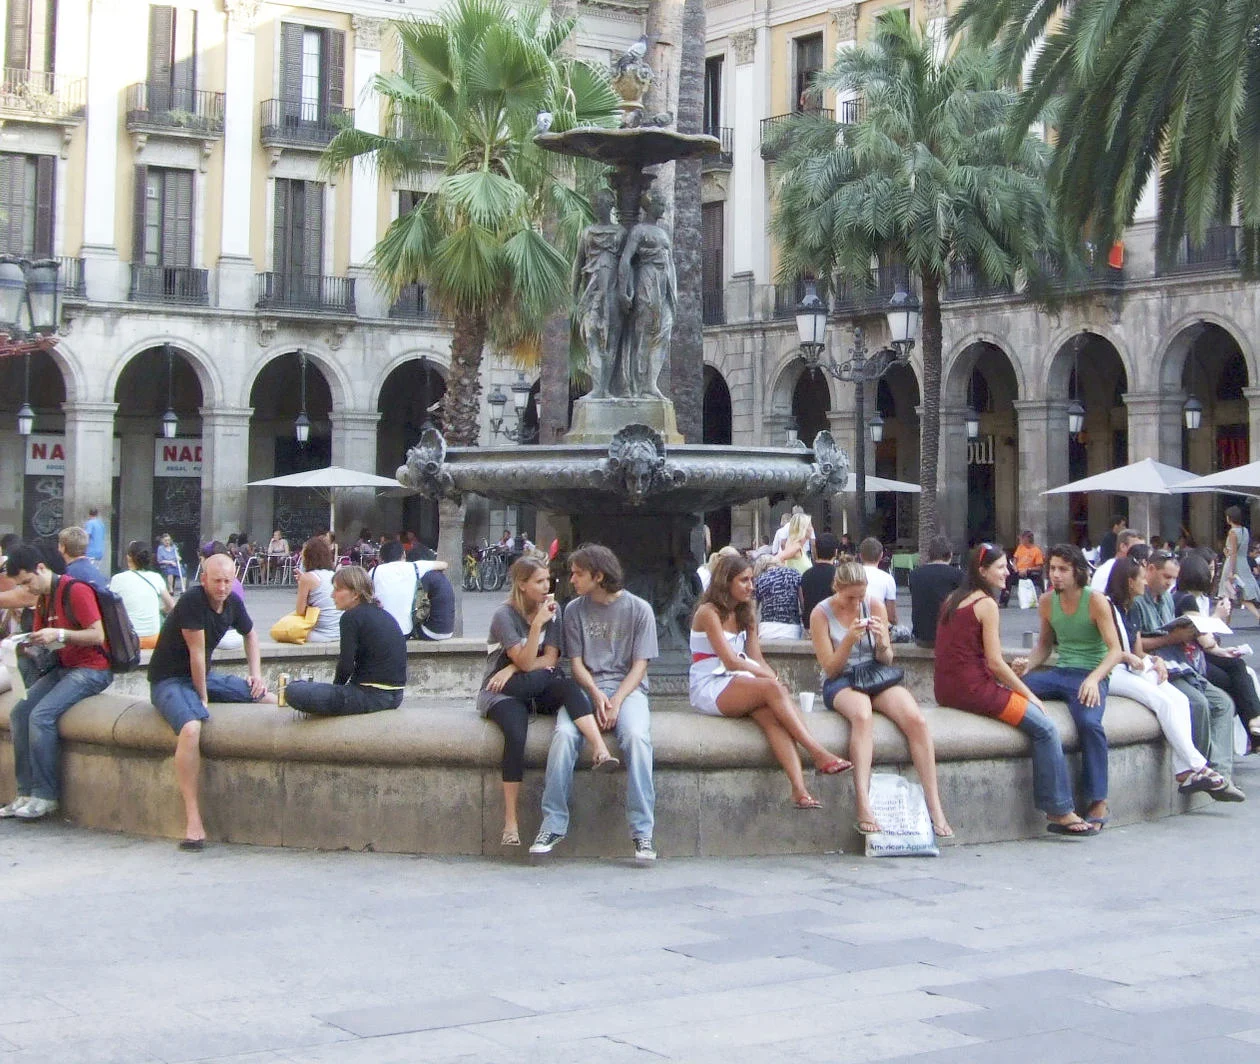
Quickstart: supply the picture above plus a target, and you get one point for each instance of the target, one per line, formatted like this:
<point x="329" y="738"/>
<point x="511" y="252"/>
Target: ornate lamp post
<point x="29" y="313"/>
<point x="860" y="368"/>
<point x="302" y="424"/>
<point x="497" y="402"/>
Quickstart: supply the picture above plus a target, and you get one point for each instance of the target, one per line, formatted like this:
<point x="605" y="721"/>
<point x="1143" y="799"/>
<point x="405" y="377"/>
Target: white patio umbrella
<point x="1241" y="480"/>
<point x="882" y="484"/>
<point x="327" y="482"/>
<point x="1146" y="478"/>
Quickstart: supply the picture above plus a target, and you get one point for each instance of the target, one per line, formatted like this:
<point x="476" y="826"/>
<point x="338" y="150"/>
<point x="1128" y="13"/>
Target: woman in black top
<point x="372" y="668"/>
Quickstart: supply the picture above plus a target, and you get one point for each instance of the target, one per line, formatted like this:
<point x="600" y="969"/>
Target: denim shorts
<point x="177" y="700"/>
<point x="833" y="687"/>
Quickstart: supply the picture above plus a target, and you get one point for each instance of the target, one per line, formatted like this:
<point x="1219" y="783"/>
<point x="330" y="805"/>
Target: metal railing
<point x="36" y="94"/>
<point x="713" y="306"/>
<point x="151" y="105"/>
<point x="1094" y="276"/>
<point x="292" y="123"/>
<point x="1219" y="252"/>
<point x="430" y="147"/>
<point x="723" y="159"/>
<point x="169" y="284"/>
<point x="851" y="112"/>
<point x="786" y="296"/>
<point x="412" y="304"/>
<point x="968" y="282"/>
<point x="773" y="129"/>
<point x="853" y="299"/>
<point x="70" y="278"/>
<point x="303" y="291"/>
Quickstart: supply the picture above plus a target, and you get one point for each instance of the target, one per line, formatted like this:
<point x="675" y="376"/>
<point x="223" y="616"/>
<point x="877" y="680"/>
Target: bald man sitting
<point x="181" y="685"/>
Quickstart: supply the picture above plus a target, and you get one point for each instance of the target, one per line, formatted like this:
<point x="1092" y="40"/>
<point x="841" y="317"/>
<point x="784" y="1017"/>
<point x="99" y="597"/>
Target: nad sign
<point x="177" y="458"/>
<point x="46" y="456"/>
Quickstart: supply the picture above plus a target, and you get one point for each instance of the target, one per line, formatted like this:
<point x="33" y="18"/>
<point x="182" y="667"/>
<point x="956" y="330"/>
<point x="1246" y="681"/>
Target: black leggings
<point x="339" y="699"/>
<point x="548" y="690"/>
<point x="1231" y="676"/>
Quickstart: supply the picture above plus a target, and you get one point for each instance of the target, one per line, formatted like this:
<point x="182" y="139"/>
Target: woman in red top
<point x="972" y="675"/>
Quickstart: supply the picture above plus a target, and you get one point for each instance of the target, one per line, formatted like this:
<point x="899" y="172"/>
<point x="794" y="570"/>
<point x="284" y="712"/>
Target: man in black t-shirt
<point x="441" y="622"/>
<point x="930" y="586"/>
<point x="181" y="685"/>
<point x="817" y="579"/>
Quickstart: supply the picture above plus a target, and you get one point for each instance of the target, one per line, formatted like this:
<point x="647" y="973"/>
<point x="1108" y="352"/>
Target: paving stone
<point x="1174" y="1026"/>
<point x="1023" y="1017"/>
<point x="424" y="1015"/>
<point x="1051" y="1047"/>
<point x="924" y="887"/>
<point x="1216" y="1050"/>
<point x="1036" y="986"/>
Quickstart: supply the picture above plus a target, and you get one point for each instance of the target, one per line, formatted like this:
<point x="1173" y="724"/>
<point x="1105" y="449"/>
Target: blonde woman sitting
<point x="845" y="633"/>
<point x="730" y="678"/>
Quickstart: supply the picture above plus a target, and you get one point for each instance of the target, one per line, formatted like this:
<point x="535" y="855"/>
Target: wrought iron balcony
<point x="773" y="129"/>
<point x="158" y="108"/>
<point x="412" y="304"/>
<point x="725" y="158"/>
<point x="305" y="292"/>
<point x="786" y="296"/>
<point x="713" y="306"/>
<point x="430" y="147"/>
<point x="855" y="300"/>
<point x="294" y="124"/>
<point x="968" y="282"/>
<point x="1095" y="276"/>
<point x="170" y="284"/>
<point x="1217" y="254"/>
<point x="38" y="96"/>
<point x="851" y="112"/>
<point x="70" y="278"/>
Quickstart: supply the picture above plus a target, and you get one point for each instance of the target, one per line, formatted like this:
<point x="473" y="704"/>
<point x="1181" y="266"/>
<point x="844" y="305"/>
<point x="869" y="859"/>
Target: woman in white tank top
<point x="730" y="678"/>
<point x="315" y="589"/>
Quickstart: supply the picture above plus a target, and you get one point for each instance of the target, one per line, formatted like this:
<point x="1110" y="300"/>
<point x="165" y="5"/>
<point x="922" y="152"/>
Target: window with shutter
<point x="313" y="229"/>
<point x="184" y="66"/>
<point x="291" y="72"/>
<point x="299" y="239"/>
<point x="17" y="35"/>
<point x="139" y="215"/>
<point x="45" y="200"/>
<point x="27" y="204"/>
<point x="334" y="72"/>
<point x="161" y="57"/>
<point x="177" y="217"/>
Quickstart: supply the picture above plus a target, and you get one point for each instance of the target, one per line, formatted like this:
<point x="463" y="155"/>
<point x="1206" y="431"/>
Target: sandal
<point x="868" y="827"/>
<point x="1205" y="779"/>
<point x="510" y="838"/>
<point x="807" y="801"/>
<point x="835" y="766"/>
<point x="1076" y="829"/>
<point x="943" y="833"/>
<point x="607" y="761"/>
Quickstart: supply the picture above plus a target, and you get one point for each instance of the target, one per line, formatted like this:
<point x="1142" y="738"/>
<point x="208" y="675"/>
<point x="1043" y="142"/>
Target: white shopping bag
<point x="902" y="812"/>
<point x="1027" y="594"/>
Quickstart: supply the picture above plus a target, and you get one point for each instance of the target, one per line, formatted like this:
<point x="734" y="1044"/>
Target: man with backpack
<point x="68" y="648"/>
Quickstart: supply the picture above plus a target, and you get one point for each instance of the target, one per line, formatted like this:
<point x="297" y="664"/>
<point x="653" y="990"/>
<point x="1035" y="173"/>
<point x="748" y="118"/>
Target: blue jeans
<point x="33" y="726"/>
<point x="634" y="735"/>
<point x="1062" y="685"/>
<point x="1052" y="789"/>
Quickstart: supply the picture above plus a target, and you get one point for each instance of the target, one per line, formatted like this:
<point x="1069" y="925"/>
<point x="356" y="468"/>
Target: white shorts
<point x="704" y="691"/>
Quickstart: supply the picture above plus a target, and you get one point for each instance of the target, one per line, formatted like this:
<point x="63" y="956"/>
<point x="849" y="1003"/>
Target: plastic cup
<point x="807" y="701"/>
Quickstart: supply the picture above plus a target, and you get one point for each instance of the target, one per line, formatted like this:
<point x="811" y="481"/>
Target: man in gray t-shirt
<point x="609" y="637"/>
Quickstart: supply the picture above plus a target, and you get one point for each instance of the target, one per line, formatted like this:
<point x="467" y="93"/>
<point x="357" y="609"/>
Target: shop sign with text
<point x="177" y="458"/>
<point x="46" y="456"/>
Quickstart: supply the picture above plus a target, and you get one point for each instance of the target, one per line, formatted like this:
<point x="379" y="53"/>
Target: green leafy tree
<point x="1143" y="87"/>
<point x="925" y="178"/>
<point x="474" y="77"/>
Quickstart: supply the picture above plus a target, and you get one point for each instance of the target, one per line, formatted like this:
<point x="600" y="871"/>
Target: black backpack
<point x="122" y="645"/>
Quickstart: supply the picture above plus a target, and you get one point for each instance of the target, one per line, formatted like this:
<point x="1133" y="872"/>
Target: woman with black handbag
<point x="523" y="673"/>
<point x="859" y="679"/>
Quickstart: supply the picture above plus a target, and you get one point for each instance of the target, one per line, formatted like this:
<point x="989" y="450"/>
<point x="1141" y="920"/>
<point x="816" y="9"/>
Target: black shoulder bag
<point x="873" y="677"/>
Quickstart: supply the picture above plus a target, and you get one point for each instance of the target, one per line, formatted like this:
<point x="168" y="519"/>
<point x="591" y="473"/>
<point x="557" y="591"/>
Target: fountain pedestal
<point x="599" y="420"/>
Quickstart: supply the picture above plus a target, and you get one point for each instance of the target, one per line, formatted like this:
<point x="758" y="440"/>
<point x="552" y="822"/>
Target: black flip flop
<point x="1067" y="829"/>
<point x="192" y="845"/>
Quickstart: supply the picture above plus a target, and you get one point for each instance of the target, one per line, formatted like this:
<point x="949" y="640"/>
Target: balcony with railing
<point x="430" y="148"/>
<point x="70" y="278"/>
<point x="38" y="96"/>
<point x="302" y="125"/>
<point x="412" y="304"/>
<point x="774" y="129"/>
<point x="863" y="298"/>
<point x="1217" y="254"/>
<point x="968" y="282"/>
<point x="169" y="284"/>
<point x="305" y="292"/>
<point x="164" y="109"/>
<point x="713" y="306"/>
<point x="724" y="158"/>
<point x="1095" y="275"/>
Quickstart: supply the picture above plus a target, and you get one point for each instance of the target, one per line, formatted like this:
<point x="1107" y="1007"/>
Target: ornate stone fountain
<point x="624" y="477"/>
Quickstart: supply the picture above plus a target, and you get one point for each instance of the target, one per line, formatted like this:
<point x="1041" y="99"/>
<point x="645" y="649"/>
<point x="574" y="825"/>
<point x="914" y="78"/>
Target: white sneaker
<point x="36" y="809"/>
<point x="12" y="808"/>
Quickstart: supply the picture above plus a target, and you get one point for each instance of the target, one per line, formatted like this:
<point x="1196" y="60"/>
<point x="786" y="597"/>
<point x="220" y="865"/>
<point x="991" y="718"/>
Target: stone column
<point x="749" y="102"/>
<point x="1252" y="395"/>
<point x="236" y="263"/>
<point x="843" y="424"/>
<point x="90" y="466"/>
<point x="1043" y="464"/>
<point x="354" y="446"/>
<point x="102" y="270"/>
<point x="451" y="550"/>
<point x="225" y="472"/>
<point x="952" y="479"/>
<point x="369" y="297"/>
<point x="1155" y="425"/>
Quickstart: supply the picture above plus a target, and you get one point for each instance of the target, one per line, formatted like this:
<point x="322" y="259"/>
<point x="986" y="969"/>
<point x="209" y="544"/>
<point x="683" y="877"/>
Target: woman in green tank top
<point x="1079" y="623"/>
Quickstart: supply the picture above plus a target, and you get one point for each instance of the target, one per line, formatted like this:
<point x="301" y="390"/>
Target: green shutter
<point x="17" y="36"/>
<point x="45" y="204"/>
<point x="177" y="218"/>
<point x="161" y="57"/>
<point x="334" y="80"/>
<point x="139" y="200"/>
<point x="313" y="229"/>
<point x="291" y="69"/>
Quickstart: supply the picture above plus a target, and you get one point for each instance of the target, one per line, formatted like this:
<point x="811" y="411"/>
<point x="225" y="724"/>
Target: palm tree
<point x="475" y="77"/>
<point x="924" y="178"/>
<point x="1167" y="85"/>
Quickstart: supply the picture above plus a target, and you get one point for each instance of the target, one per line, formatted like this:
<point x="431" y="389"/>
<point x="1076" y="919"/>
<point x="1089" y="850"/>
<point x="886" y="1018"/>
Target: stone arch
<point x="1059" y="365"/>
<point x="73" y="376"/>
<point x="202" y="364"/>
<point x="338" y="383"/>
<point x="962" y="360"/>
<point x="1171" y="358"/>
<point x="718" y="418"/>
<point x="783" y="378"/>
<point x="439" y="360"/>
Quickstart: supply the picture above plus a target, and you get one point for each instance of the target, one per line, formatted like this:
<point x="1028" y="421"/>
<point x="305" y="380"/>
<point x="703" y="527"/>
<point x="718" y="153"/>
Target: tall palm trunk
<point x="687" y="355"/>
<point x="461" y="406"/>
<point x="930" y="446"/>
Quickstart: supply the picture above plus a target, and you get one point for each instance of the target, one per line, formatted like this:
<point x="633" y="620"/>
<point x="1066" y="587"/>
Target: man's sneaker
<point x="36" y="809"/>
<point x="643" y="849"/>
<point x="12" y="808"/>
<point x="1229" y="793"/>
<point x="545" y="842"/>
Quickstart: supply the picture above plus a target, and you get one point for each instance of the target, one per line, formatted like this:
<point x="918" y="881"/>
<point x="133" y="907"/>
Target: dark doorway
<point x="717" y="429"/>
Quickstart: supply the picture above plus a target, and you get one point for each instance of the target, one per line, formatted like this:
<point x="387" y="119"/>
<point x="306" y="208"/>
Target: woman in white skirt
<point x="1145" y="680"/>
<point x="730" y="678"/>
<point x="1237" y="579"/>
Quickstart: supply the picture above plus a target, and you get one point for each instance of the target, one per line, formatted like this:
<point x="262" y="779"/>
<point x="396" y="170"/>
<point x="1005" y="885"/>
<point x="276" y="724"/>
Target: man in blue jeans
<point x="609" y="637"/>
<point x="181" y="685"/>
<point x="66" y="616"/>
<point x="1078" y="621"/>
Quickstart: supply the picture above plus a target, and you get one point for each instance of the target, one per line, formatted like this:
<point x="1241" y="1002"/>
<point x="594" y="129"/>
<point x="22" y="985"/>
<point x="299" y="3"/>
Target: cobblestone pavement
<point x="1134" y="946"/>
